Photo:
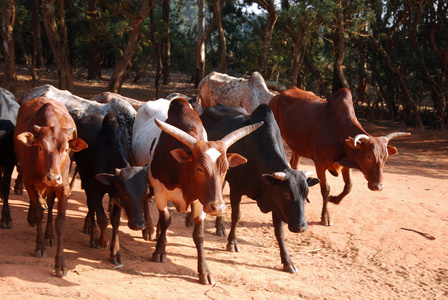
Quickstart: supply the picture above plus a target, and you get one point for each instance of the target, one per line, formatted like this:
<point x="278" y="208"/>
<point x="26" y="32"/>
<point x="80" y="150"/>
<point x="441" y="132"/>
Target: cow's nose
<point x="53" y="179"/>
<point x="137" y="225"/>
<point x="298" y="228"/>
<point x="214" y="209"/>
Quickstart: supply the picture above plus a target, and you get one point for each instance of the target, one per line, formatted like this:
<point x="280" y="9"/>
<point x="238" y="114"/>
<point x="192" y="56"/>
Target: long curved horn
<point x="360" y="137"/>
<point x="392" y="135"/>
<point x="177" y="133"/>
<point x="279" y="175"/>
<point x="234" y="136"/>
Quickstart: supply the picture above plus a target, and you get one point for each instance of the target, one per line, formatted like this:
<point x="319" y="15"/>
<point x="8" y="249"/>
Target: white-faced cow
<point x="266" y="177"/>
<point x="185" y="168"/>
<point x="217" y="88"/>
<point x="79" y="107"/>
<point x="329" y="133"/>
<point x="107" y="152"/>
<point x="43" y="138"/>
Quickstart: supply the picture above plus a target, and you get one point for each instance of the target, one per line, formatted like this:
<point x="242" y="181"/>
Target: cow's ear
<point x="269" y="179"/>
<point x="27" y="138"/>
<point x="77" y="144"/>
<point x="235" y="159"/>
<point x="392" y="150"/>
<point x="181" y="155"/>
<point x="350" y="143"/>
<point x="106" y="179"/>
<point x="312" y="181"/>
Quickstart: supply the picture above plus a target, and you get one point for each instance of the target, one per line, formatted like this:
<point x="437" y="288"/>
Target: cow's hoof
<point x="18" y="191"/>
<point x="60" y="272"/>
<point x="335" y="200"/>
<point x="326" y="221"/>
<point x="149" y="235"/>
<point x="6" y="225"/>
<point x="233" y="248"/>
<point x="290" y="268"/>
<point x="40" y="253"/>
<point x="116" y="259"/>
<point x="102" y="243"/>
<point x="221" y="231"/>
<point x="159" y="257"/>
<point x="49" y="241"/>
<point x="206" y="279"/>
<point x="86" y="230"/>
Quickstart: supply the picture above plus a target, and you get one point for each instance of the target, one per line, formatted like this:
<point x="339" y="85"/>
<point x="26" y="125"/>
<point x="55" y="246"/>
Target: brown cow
<point x="44" y="135"/>
<point x="329" y="133"/>
<point x="184" y="167"/>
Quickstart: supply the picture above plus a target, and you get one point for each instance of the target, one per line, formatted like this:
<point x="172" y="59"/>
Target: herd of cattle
<point x="165" y="149"/>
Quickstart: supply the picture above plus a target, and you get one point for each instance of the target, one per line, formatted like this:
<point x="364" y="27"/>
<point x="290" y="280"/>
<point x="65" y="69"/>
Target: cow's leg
<point x="164" y="221"/>
<point x="115" y="255"/>
<point x="35" y="216"/>
<point x="205" y="276"/>
<point x="288" y="265"/>
<point x="149" y="232"/>
<point x="49" y="232"/>
<point x="60" y="268"/>
<point x="18" y="185"/>
<point x="346" y="175"/>
<point x="235" y="202"/>
<point x="101" y="219"/>
<point x="6" y="221"/>
<point x="325" y="191"/>
<point x="88" y="221"/>
<point x="295" y="160"/>
<point x="219" y="225"/>
<point x="189" y="219"/>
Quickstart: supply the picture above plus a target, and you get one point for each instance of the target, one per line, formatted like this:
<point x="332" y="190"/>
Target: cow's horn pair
<point x="190" y="141"/>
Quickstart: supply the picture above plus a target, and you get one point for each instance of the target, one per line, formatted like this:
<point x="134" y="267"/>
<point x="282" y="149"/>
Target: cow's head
<point x="290" y="191"/>
<point x="53" y="146"/>
<point x="208" y="163"/>
<point x="131" y="186"/>
<point x="370" y="156"/>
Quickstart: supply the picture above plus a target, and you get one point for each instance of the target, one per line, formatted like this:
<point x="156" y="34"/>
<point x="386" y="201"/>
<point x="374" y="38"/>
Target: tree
<point x="140" y="12"/>
<point x="56" y="30"/>
<point x="93" y="17"/>
<point x="166" y="45"/>
<point x="9" y="13"/>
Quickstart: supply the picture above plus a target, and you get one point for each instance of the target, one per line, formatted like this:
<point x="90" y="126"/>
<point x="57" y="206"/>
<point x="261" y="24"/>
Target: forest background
<point x="392" y="54"/>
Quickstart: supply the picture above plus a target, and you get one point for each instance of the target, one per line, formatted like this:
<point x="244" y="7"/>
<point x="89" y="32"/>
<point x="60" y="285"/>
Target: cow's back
<point x="145" y="131"/>
<point x="301" y="117"/>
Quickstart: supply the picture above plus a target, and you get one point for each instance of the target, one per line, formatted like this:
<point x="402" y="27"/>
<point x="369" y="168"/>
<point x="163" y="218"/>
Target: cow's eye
<point x="40" y="148"/>
<point x="200" y="170"/>
<point x="287" y="195"/>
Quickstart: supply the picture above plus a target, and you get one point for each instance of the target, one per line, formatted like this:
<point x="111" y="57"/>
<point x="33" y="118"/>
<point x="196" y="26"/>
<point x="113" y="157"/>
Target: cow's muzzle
<point x="298" y="228"/>
<point x="214" y="209"/>
<point x="53" y="179"/>
<point x="375" y="186"/>
<point x="137" y="225"/>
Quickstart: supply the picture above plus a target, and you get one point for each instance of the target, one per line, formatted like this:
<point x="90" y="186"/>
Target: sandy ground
<point x="367" y="254"/>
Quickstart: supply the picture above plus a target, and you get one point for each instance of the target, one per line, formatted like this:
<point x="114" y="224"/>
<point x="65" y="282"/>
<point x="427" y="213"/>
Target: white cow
<point x="8" y="106"/>
<point x="217" y="88"/>
<point x="79" y="107"/>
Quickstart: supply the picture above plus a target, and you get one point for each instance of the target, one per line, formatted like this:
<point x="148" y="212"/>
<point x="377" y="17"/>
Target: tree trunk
<point x="217" y="13"/>
<point x="137" y="23"/>
<point x="158" y="56"/>
<point x="9" y="13"/>
<point x="411" y="111"/>
<point x="339" y="80"/>
<point x="166" y="44"/>
<point x="37" y="40"/>
<point x="269" y="5"/>
<point x="200" y="52"/>
<point x="58" y="42"/>
<point x="94" y="69"/>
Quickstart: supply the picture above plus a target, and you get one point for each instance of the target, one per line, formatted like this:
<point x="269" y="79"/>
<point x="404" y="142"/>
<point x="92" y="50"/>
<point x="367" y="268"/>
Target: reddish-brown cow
<point x="44" y="135"/>
<point x="329" y="133"/>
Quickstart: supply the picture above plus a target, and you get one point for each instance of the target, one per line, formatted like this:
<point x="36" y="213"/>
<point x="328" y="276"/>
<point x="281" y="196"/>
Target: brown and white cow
<point x="329" y="133"/>
<point x="43" y="138"/>
<point x="184" y="167"/>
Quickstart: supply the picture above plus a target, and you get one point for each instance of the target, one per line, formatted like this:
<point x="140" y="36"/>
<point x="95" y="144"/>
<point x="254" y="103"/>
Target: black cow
<point x="7" y="162"/>
<point x="107" y="152"/>
<point x="266" y="177"/>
